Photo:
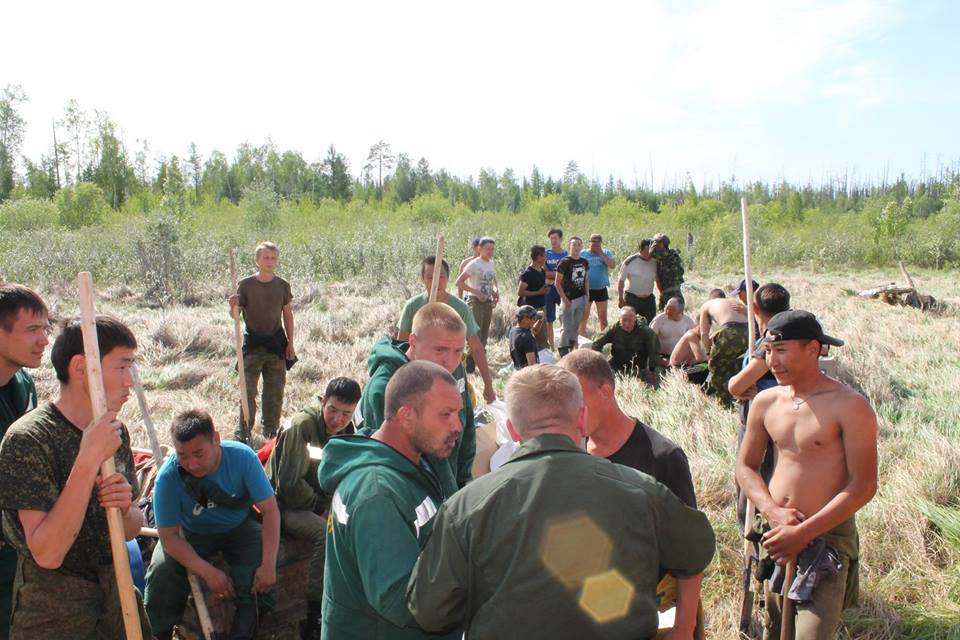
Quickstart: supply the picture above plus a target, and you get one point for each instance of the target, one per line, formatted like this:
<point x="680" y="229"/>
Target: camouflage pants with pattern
<point x="726" y="353"/>
<point x="273" y="368"/>
<point x="49" y="605"/>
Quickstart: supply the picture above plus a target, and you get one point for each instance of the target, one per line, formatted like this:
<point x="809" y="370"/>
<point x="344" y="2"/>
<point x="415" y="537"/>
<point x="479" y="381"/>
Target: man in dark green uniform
<point x="23" y="338"/>
<point x="635" y="347"/>
<point x="53" y="497"/>
<point x="541" y="547"/>
<point x="669" y="270"/>
<point x="292" y="470"/>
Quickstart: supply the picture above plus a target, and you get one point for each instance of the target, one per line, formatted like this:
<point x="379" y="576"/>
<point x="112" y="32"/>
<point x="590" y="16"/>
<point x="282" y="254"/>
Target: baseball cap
<point x="797" y="324"/>
<point x="526" y="312"/>
<point x="743" y="286"/>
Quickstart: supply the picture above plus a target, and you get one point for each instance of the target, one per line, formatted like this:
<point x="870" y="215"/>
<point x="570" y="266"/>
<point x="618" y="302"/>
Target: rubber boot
<point x="244" y="625"/>
<point x="563" y="351"/>
<point x="311" y="626"/>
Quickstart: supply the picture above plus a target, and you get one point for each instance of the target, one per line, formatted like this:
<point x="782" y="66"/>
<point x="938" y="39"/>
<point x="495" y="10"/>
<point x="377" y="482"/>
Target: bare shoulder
<point x="766" y="398"/>
<point x="852" y="406"/>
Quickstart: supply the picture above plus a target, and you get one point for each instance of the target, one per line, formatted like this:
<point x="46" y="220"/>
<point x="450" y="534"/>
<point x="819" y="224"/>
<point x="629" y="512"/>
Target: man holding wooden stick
<point x="54" y="500"/>
<point x="264" y="299"/>
<point x="825" y="435"/>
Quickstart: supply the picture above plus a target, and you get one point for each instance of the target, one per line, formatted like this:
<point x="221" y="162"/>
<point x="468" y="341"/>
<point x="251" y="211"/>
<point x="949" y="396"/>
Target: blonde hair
<point x="438" y="315"/>
<point x="266" y="245"/>
<point x="542" y="398"/>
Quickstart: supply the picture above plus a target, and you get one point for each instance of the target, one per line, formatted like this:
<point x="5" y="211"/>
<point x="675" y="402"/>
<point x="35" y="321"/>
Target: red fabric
<point x="139" y="457"/>
<point x="264" y="453"/>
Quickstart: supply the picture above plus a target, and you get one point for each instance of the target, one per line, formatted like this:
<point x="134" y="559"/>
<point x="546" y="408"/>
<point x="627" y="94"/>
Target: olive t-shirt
<point x="36" y="458"/>
<point x="415" y="303"/>
<point x="263" y="303"/>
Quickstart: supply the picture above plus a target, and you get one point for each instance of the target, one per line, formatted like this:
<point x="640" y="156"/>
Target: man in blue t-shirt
<point x="598" y="279"/>
<point x="555" y="254"/>
<point x="202" y="504"/>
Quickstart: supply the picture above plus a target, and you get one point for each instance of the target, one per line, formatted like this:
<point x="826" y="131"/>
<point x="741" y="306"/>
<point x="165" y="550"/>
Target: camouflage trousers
<point x="49" y="605"/>
<point x="273" y="368"/>
<point x="726" y="354"/>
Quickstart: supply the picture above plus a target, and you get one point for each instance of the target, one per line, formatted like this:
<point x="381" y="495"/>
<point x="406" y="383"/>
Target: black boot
<point x="563" y="351"/>
<point x="311" y="626"/>
<point x="245" y="621"/>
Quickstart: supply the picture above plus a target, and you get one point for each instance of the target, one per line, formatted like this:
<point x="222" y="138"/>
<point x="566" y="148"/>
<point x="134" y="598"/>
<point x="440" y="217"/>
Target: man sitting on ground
<point x="689" y="349"/>
<point x="728" y="343"/>
<point x="825" y="435"/>
<point x="635" y="348"/>
<point x="670" y="327"/>
<point x="54" y="500"/>
<point x="437" y="336"/>
<point x="625" y="440"/>
<point x="384" y="498"/>
<point x="292" y="470"/>
<point x="415" y="303"/>
<point x="515" y="551"/>
<point x="523" y="346"/>
<point x="202" y="502"/>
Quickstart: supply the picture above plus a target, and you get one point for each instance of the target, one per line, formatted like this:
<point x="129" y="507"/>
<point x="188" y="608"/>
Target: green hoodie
<point x="17" y="397"/>
<point x="381" y="516"/>
<point x="385" y="358"/>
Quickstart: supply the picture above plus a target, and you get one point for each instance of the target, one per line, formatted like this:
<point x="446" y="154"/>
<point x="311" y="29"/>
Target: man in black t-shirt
<point x="625" y="440"/>
<point x="532" y="288"/>
<point x="571" y="284"/>
<point x="523" y="345"/>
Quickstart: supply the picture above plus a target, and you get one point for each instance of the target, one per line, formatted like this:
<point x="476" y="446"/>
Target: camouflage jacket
<point x="639" y="348"/>
<point x="670" y="271"/>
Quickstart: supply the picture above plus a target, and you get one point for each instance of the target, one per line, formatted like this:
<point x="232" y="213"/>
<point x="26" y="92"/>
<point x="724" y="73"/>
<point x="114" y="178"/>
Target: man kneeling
<point x="202" y="504"/>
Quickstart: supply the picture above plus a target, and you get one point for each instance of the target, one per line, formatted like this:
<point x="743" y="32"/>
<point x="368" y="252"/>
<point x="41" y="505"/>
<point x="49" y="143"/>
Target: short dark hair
<point x="430" y="261"/>
<point x="589" y="364"/>
<point x="409" y="384"/>
<point x="13" y="298"/>
<point x="555" y="230"/>
<point x="346" y="390"/>
<point x="716" y="293"/>
<point x="536" y="251"/>
<point x="645" y="243"/>
<point x="111" y="333"/>
<point x="772" y="298"/>
<point x="485" y="240"/>
<point x="190" y="424"/>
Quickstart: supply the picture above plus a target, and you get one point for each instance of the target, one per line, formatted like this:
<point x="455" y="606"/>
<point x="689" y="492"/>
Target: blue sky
<point x="646" y="91"/>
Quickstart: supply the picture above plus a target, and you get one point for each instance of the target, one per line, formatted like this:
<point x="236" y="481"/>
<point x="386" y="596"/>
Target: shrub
<point x="82" y="205"/>
<point x="27" y="213"/>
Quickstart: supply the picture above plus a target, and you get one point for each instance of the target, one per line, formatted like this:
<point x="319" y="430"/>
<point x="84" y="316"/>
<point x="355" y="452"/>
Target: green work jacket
<point x="638" y="349"/>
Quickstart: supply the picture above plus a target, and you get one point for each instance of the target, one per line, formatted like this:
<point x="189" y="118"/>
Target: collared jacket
<point x="381" y="514"/>
<point x="385" y="358"/>
<point x="22" y="399"/>
<point x="290" y="469"/>
<point x="556" y="544"/>
<point x="638" y="349"/>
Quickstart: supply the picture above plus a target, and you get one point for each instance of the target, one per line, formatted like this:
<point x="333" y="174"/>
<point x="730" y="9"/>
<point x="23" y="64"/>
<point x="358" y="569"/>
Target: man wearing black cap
<point x="728" y="342"/>
<point x="825" y="436"/>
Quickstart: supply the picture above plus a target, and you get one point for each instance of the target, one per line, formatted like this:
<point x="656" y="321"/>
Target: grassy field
<point x="905" y="361"/>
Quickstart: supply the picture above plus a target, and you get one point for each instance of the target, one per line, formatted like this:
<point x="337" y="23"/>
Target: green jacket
<point x="639" y="349"/>
<point x="21" y="399"/>
<point x="516" y="551"/>
<point x="385" y="358"/>
<point x="290" y="470"/>
<point x="381" y="515"/>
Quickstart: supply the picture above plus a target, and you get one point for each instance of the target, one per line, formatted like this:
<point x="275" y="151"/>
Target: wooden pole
<point x="145" y="414"/>
<point x="751" y="330"/>
<point x="786" y="611"/>
<point x="238" y="343"/>
<point x="98" y="402"/>
<point x="437" y="270"/>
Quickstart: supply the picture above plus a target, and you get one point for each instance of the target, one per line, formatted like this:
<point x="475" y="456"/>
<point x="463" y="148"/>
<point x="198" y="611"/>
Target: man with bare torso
<point x="727" y="344"/>
<point x="825" y="435"/>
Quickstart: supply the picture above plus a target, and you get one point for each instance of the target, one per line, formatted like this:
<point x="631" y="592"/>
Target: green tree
<point x="511" y="193"/>
<point x="81" y="205"/>
<point x="403" y="185"/>
<point x="216" y="183"/>
<point x="75" y="121"/>
<point x="490" y="196"/>
<point x="195" y="163"/>
<point x="12" y="126"/>
<point x="380" y="160"/>
<point x="335" y="176"/>
<point x="112" y="173"/>
<point x="174" y="190"/>
<point x="424" y="179"/>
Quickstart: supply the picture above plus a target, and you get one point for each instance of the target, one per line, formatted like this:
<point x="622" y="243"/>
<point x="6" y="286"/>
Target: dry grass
<point x="905" y="361"/>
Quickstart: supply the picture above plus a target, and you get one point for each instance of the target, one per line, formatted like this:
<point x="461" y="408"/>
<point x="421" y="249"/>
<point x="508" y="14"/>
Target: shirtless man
<point x="825" y="436"/>
<point x="728" y="343"/>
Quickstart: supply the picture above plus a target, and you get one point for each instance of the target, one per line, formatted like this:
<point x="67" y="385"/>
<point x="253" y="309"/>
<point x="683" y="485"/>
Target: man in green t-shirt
<point x="23" y="338"/>
<point x="264" y="300"/>
<point x="473" y="329"/>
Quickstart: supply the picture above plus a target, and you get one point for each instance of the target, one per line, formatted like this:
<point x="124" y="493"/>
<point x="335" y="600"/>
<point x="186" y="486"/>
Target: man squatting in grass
<point x="634" y="347"/>
<point x="264" y="299"/>
<point x="202" y="501"/>
<point x="727" y="344"/>
<point x="514" y="552"/>
<point x="53" y="498"/>
<point x="479" y="281"/>
<point x="555" y="253"/>
<point x="638" y="274"/>
<point x="292" y="471"/>
<point x="23" y="338"/>
<point x="571" y="284"/>
<point x="385" y="495"/>
<point x="625" y="440"/>
<point x="825" y="435"/>
<point x="523" y="346"/>
<point x="598" y="278"/>
<point x="769" y="300"/>
<point x="437" y="336"/>
<point x="414" y="304"/>
<point x="670" y="326"/>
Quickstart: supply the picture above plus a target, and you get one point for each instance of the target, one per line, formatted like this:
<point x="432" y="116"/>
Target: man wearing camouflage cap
<point x="669" y="270"/>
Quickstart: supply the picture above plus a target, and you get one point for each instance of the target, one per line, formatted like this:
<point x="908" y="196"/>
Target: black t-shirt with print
<point x="574" y="272"/>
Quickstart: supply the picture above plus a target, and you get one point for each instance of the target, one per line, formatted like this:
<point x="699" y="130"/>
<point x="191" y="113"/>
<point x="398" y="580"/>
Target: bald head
<point x="628" y="318"/>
